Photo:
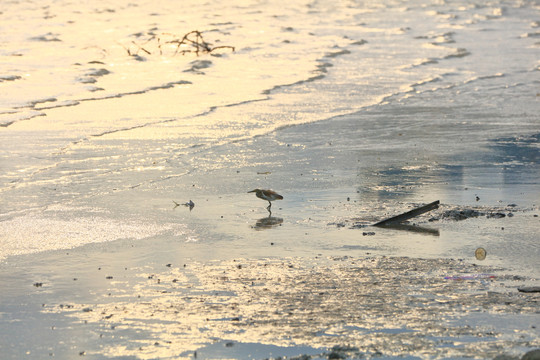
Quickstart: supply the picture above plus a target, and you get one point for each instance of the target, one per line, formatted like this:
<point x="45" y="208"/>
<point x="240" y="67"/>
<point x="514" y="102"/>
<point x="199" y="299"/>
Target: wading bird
<point x="267" y="195"/>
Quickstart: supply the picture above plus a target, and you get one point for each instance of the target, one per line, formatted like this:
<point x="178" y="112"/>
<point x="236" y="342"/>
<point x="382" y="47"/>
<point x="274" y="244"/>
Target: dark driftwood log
<point x="409" y="214"/>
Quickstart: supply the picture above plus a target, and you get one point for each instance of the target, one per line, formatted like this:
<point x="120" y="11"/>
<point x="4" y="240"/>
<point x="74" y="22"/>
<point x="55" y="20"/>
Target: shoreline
<point x="352" y="112"/>
<point x="85" y="300"/>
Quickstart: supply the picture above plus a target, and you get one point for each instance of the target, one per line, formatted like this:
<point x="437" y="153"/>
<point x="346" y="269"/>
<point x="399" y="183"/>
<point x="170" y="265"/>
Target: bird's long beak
<point x="252" y="191"/>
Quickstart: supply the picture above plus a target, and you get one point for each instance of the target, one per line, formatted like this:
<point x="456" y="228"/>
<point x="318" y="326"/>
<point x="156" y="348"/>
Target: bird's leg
<point x="269" y="206"/>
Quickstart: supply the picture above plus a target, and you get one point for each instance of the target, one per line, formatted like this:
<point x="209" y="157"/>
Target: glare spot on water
<point x="33" y="233"/>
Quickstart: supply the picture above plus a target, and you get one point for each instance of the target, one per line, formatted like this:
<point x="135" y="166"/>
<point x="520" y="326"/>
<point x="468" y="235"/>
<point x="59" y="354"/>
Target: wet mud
<point x="446" y="213"/>
<point x="310" y="308"/>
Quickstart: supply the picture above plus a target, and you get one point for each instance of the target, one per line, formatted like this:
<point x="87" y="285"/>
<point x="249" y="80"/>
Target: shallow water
<point x="352" y="111"/>
<point x="438" y="90"/>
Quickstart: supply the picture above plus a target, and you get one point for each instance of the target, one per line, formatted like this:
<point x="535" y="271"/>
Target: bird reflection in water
<point x="268" y="222"/>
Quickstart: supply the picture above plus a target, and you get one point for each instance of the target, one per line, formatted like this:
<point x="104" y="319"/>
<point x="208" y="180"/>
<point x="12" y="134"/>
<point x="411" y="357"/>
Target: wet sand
<point x="310" y="280"/>
<point x="352" y="113"/>
<point x="299" y="307"/>
<point x="226" y="279"/>
<point x="365" y="307"/>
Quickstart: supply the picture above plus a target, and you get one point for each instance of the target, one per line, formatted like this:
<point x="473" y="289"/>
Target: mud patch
<point x="351" y="307"/>
<point x="445" y="213"/>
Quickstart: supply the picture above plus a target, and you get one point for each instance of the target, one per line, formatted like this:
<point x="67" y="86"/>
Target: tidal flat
<point x="285" y="307"/>
<point x="354" y="112"/>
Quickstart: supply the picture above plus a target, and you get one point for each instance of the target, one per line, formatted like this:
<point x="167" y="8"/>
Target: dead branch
<point x="409" y="214"/>
<point x="191" y="42"/>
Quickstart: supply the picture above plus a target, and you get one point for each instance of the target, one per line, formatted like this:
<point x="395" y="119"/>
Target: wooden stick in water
<point x="409" y="214"/>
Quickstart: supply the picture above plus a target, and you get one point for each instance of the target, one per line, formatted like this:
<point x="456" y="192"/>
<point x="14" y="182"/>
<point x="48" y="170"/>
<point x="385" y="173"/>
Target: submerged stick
<point x="409" y="214"/>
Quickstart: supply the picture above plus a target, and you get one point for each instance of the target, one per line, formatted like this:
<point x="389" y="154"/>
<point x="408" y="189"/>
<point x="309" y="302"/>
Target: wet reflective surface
<point x="126" y="230"/>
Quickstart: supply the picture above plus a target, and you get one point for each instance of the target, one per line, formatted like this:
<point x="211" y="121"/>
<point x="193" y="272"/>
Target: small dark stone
<point x="532" y="355"/>
<point x="529" y="289"/>
<point x="335" y="355"/>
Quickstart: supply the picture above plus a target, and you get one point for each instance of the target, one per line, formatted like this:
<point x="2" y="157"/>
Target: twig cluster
<point x="191" y="42"/>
